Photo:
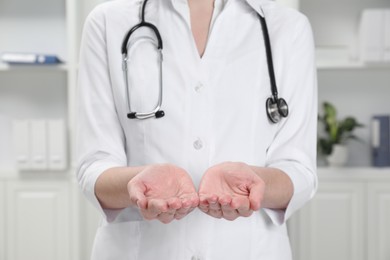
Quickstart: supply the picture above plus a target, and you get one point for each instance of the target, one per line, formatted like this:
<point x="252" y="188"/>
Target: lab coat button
<point x="199" y="87"/>
<point x="198" y="144"/>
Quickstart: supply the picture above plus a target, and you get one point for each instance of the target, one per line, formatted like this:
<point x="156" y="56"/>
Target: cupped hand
<point x="230" y="190"/>
<point x="164" y="192"/>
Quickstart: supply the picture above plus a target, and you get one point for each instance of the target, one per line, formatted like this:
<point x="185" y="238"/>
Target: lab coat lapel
<point x="258" y="5"/>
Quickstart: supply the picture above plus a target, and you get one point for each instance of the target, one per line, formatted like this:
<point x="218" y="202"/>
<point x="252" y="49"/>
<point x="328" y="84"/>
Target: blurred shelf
<point x="342" y="58"/>
<point x="14" y="174"/>
<point x="324" y="64"/>
<point x="6" y="67"/>
<point x="354" y="173"/>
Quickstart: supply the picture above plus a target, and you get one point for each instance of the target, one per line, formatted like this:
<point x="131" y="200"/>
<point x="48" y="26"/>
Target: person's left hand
<point x="230" y="190"/>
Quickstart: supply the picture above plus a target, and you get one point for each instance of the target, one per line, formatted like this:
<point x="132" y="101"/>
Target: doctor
<point x="213" y="176"/>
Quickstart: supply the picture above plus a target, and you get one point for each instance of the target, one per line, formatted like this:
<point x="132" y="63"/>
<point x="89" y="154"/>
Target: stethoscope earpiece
<point x="131" y="115"/>
<point x="160" y="114"/>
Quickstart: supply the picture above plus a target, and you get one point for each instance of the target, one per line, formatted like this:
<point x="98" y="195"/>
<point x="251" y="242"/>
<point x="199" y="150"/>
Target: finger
<point x="241" y="203"/>
<point x="148" y="215"/>
<point x="154" y="208"/>
<point x="170" y="211"/>
<point x="212" y="198"/>
<point x="174" y="204"/>
<point x="195" y="201"/>
<point x="166" y="217"/>
<point x="228" y="213"/>
<point x="204" y="207"/>
<point x="245" y="213"/>
<point x="191" y="201"/>
<point x="157" y="206"/>
<point x="187" y="206"/>
<point x="215" y="213"/>
<point x="256" y="193"/>
<point x="180" y="215"/>
<point x="225" y="200"/>
<point x="142" y="203"/>
<point x="214" y="205"/>
<point x="184" y="210"/>
<point x="213" y="202"/>
<point x="203" y="201"/>
<point x="204" y="204"/>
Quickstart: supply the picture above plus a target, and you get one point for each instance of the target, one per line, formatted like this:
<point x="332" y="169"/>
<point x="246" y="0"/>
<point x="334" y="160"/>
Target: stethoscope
<point x="276" y="107"/>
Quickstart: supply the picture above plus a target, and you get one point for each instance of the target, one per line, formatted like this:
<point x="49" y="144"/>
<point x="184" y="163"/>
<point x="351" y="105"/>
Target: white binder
<point x="57" y="144"/>
<point x="375" y="36"/>
<point x="21" y="140"/>
<point x="38" y="145"/>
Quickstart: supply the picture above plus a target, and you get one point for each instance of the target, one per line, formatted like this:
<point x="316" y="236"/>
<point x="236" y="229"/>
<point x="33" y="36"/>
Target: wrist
<point x="278" y="187"/>
<point x="262" y="172"/>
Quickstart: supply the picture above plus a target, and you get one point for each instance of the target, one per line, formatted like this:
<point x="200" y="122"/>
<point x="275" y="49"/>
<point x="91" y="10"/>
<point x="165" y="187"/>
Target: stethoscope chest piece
<point x="276" y="110"/>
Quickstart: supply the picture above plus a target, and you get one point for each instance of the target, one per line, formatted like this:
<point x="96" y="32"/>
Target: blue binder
<point x="380" y="141"/>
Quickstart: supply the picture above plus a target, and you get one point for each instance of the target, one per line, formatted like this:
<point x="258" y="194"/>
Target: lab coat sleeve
<point x="293" y="149"/>
<point x="100" y="138"/>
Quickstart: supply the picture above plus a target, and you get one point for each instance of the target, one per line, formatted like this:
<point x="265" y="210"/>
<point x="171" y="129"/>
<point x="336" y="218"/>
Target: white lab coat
<point x="215" y="112"/>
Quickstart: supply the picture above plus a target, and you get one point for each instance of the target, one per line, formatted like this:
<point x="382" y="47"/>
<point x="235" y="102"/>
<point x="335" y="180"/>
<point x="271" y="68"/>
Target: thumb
<point x="256" y="194"/>
<point x="137" y="195"/>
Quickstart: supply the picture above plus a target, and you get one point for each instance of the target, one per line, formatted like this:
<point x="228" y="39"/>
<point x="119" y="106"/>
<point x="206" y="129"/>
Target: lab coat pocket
<point x="119" y="241"/>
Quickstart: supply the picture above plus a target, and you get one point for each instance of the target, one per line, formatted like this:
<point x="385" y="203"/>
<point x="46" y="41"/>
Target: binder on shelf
<point x="38" y="148"/>
<point x="40" y="144"/>
<point x="30" y="58"/>
<point x="7" y="161"/>
<point x="380" y="134"/>
<point x="21" y="139"/>
<point x="375" y="35"/>
<point x="57" y="144"/>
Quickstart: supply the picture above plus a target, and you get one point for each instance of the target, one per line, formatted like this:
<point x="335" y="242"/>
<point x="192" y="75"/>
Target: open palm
<point x="164" y="192"/>
<point x="230" y="190"/>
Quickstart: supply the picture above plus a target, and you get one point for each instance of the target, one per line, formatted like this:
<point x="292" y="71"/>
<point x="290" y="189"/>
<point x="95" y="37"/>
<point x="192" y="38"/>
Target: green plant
<point x="336" y="131"/>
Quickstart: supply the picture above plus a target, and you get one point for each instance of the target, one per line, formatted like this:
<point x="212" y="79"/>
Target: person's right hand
<point x="164" y="192"/>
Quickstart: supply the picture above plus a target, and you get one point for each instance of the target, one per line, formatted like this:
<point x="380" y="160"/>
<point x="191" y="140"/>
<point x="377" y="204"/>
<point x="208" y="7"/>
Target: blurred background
<point x="42" y="213"/>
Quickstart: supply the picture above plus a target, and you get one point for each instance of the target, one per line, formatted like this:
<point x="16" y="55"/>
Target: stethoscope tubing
<point x="156" y="112"/>
<point x="276" y="108"/>
<point x="268" y="51"/>
<point x="136" y="27"/>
